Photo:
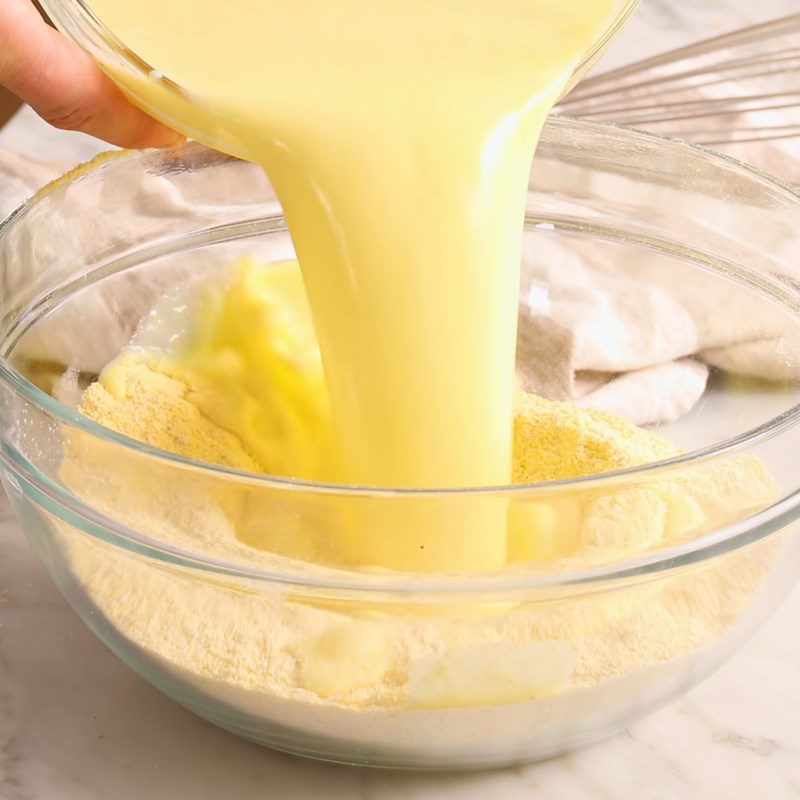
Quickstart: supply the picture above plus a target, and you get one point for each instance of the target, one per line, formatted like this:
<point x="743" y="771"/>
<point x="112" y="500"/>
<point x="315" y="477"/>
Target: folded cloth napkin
<point x="602" y="332"/>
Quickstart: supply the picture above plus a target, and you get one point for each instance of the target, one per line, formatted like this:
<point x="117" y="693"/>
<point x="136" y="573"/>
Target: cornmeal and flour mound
<point x="518" y="667"/>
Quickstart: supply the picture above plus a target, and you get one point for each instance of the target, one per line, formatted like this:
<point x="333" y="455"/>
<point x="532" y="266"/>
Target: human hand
<point x="65" y="87"/>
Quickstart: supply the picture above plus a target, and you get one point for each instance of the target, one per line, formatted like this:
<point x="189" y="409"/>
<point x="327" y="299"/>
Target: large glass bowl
<point x="126" y="530"/>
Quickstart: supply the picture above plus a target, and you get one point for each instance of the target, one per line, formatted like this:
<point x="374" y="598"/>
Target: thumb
<point x="64" y="85"/>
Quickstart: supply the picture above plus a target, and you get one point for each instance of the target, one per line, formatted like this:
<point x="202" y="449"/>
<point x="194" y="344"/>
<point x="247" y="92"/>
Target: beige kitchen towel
<point x="624" y="337"/>
<point x="20" y="176"/>
<point x="157" y="207"/>
<point x="609" y="331"/>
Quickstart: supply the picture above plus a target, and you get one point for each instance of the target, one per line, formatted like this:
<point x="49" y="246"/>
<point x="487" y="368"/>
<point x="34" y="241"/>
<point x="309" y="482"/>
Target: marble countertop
<point x="76" y="724"/>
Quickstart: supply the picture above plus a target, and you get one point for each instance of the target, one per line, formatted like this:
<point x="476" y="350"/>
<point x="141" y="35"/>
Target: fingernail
<point x="173" y="143"/>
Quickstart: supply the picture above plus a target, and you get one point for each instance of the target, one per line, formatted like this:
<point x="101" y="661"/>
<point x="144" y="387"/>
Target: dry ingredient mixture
<point x="287" y="646"/>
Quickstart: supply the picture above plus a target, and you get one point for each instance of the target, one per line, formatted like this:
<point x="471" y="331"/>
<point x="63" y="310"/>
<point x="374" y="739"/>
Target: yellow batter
<point x="398" y="136"/>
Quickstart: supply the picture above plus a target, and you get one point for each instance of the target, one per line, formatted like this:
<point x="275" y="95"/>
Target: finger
<point x="64" y="85"/>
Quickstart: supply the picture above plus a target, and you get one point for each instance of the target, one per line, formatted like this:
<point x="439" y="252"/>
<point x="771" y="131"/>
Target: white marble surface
<point x="75" y="724"/>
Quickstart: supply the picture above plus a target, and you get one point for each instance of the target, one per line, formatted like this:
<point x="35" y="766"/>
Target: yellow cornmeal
<point x="554" y="441"/>
<point x="152" y="408"/>
<point x="274" y="645"/>
<point x="286" y="646"/>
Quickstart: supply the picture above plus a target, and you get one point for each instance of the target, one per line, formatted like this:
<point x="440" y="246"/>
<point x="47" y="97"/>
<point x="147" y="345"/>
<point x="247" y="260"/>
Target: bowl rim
<point x="712" y="543"/>
<point x="647" y="566"/>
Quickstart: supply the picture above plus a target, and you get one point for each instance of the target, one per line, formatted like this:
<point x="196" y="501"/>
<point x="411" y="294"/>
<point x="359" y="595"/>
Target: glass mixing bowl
<point x="215" y="585"/>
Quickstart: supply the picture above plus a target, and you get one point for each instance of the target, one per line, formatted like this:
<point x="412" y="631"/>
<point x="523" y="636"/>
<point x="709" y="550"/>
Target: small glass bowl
<point x="76" y="19"/>
<point x="128" y="532"/>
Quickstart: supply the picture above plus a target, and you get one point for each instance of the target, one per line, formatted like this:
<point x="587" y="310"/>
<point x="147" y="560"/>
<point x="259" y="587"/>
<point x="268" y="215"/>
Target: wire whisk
<point x="736" y="89"/>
